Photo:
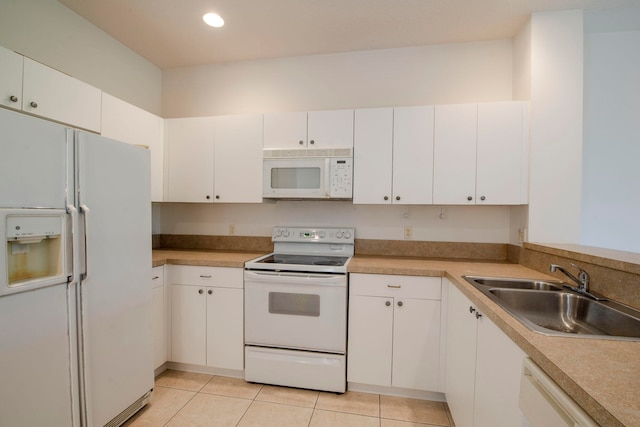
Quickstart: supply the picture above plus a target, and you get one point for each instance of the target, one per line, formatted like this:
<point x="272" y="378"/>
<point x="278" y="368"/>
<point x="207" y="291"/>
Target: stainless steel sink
<point x="555" y="311"/>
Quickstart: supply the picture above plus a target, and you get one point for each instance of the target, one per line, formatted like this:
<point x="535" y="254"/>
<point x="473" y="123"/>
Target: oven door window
<point x="296" y="177"/>
<point x="294" y="304"/>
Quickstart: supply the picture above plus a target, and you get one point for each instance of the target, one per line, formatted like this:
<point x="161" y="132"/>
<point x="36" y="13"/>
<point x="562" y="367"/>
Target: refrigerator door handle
<point x="85" y="211"/>
<point x="75" y="236"/>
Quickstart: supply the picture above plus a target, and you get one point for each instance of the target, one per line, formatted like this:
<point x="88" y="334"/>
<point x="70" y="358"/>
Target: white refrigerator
<point x="75" y="276"/>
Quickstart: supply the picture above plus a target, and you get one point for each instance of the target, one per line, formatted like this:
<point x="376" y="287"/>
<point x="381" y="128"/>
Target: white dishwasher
<point x="545" y="404"/>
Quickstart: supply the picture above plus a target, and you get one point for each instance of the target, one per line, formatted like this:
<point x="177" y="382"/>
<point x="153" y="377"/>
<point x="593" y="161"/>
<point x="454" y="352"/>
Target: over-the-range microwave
<point x="308" y="174"/>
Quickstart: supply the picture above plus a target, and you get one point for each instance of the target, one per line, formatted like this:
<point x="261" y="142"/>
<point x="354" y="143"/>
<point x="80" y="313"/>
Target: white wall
<point x="438" y="74"/>
<point x="556" y="127"/>
<point x="50" y="33"/>
<point x="487" y="224"/>
<point x="611" y="173"/>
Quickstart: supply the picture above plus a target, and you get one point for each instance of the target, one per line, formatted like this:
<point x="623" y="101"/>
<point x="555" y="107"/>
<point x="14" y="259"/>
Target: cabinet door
<point x="238" y="159"/>
<point x="454" y="176"/>
<point x="10" y="78"/>
<point x="370" y="340"/>
<point x="330" y="129"/>
<point x="500" y="151"/>
<point x="413" y="155"/>
<point x="57" y="96"/>
<point x="127" y="123"/>
<point x="190" y="151"/>
<point x="461" y="358"/>
<point x="372" y="153"/>
<point x="225" y="328"/>
<point x="498" y="371"/>
<point x="188" y="324"/>
<point x="285" y="130"/>
<point x="416" y="344"/>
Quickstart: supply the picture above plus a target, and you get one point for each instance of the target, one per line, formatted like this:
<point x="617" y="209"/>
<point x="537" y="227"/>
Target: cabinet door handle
<point x="208" y="197"/>
<point x="482" y="198"/>
<point x="386" y="197"/>
<point x="397" y="197"/>
<point x="400" y="304"/>
<point x="394" y="286"/>
<point x="200" y="291"/>
<point x="388" y="303"/>
<point x="301" y="142"/>
<point x="471" y="309"/>
<point x="13" y="98"/>
<point x="469" y="198"/>
<point x="478" y="315"/>
<point x="210" y="292"/>
<point x="202" y="276"/>
<point x="312" y="142"/>
<point x="155" y="277"/>
<point x="217" y="197"/>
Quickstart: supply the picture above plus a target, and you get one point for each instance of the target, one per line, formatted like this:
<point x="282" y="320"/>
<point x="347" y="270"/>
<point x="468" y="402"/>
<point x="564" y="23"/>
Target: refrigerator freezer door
<point x="36" y="361"/>
<point x="116" y="297"/>
<point x="33" y="161"/>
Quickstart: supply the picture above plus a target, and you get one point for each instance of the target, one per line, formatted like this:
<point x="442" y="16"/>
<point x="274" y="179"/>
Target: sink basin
<point x="500" y="282"/>
<point x="568" y="313"/>
<point x="546" y="308"/>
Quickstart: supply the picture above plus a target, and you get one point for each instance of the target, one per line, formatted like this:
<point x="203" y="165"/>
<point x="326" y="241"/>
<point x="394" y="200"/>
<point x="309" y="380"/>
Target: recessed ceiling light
<point x="213" y="19"/>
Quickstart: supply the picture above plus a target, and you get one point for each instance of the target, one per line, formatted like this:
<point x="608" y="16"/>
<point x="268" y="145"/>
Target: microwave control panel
<point x="341" y="177"/>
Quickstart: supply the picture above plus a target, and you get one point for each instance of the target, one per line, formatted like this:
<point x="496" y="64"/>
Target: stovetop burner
<point x="304" y="260"/>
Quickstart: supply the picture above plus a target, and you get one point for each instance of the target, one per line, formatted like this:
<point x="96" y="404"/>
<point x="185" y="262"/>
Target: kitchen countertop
<point x="602" y="376"/>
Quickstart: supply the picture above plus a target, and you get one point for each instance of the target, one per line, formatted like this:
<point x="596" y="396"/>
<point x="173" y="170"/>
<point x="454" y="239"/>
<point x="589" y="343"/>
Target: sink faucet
<point x="582" y="280"/>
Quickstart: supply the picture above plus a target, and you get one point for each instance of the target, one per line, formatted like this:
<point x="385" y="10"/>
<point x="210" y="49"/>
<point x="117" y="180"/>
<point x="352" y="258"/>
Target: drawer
<point x="224" y="277"/>
<point x="395" y="286"/>
<point x="157" y="276"/>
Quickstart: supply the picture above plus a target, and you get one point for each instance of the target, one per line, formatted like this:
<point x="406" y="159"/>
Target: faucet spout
<point x="582" y="280"/>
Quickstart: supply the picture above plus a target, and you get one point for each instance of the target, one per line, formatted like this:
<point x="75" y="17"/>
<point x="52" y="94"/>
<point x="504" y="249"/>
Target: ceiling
<point x="171" y="33"/>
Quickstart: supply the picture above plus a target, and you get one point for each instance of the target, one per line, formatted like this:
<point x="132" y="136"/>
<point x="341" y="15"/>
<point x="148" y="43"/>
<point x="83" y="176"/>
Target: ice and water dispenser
<point x="35" y="249"/>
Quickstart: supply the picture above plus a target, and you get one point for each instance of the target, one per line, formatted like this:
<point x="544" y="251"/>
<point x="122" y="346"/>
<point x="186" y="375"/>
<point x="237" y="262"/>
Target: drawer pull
<point x="202" y="276"/>
<point x="155" y="277"/>
<point x="394" y="286"/>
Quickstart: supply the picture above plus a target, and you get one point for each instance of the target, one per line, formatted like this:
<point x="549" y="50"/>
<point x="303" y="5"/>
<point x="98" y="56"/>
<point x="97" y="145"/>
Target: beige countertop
<point x="602" y="376"/>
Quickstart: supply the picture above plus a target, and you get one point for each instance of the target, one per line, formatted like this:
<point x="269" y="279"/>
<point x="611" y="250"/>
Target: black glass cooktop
<point x="335" y="261"/>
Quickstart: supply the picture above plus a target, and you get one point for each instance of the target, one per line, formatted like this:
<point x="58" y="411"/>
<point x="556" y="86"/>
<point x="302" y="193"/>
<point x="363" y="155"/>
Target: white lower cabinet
<point x="207" y="316"/>
<point x="483" y="368"/>
<point x="394" y="331"/>
<point x="160" y="318"/>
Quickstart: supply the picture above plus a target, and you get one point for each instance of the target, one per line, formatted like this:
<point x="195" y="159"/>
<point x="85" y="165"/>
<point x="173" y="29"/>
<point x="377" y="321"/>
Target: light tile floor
<point x="190" y="399"/>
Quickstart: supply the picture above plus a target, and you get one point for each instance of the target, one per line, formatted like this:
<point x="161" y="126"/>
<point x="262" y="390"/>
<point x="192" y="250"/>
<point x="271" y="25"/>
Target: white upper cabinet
<point x="393" y="155"/>
<point x="501" y="170"/>
<point x="455" y="154"/>
<point x="127" y="123"/>
<point x="57" y="96"/>
<point x="42" y="91"/>
<point x="238" y="159"/>
<point x="372" y="156"/>
<point x="190" y="165"/>
<point x="330" y="129"/>
<point x="480" y="154"/>
<point x="285" y="130"/>
<point x="10" y="79"/>
<point x="413" y="155"/>
<point x="316" y="129"/>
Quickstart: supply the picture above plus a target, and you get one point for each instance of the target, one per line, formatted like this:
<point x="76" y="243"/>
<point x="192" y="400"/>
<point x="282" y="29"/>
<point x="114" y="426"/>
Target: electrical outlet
<point x="232" y="229"/>
<point x="408" y="232"/>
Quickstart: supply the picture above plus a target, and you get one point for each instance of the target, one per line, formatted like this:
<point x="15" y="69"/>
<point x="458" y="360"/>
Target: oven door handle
<point x="295" y="278"/>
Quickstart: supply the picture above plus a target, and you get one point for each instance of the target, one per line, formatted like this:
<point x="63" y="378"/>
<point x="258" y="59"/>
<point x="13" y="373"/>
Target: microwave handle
<point x="327" y="177"/>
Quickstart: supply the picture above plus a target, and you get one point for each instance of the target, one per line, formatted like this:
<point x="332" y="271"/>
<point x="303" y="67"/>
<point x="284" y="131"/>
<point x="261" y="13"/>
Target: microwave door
<point x="294" y="178"/>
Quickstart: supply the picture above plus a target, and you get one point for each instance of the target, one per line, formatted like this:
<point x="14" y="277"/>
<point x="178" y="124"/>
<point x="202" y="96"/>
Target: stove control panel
<point x="313" y="234"/>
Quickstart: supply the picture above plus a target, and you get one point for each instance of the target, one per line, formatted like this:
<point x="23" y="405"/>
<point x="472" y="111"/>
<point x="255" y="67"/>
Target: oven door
<point x="296" y="178"/>
<point x="304" y="311"/>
